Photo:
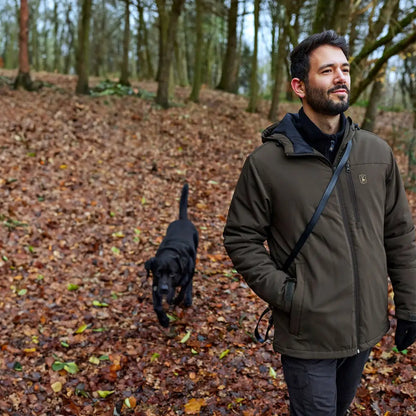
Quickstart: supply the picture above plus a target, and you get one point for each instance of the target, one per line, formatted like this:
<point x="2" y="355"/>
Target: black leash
<point x="291" y="282"/>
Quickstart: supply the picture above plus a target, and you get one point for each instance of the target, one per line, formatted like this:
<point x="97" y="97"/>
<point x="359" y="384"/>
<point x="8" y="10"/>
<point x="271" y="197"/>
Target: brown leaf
<point x="193" y="406"/>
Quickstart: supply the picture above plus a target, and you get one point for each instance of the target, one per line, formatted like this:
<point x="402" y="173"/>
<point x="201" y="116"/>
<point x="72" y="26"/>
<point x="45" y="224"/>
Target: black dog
<point x="174" y="263"/>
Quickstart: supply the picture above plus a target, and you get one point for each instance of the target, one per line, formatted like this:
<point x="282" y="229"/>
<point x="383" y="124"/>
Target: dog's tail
<point x="183" y="204"/>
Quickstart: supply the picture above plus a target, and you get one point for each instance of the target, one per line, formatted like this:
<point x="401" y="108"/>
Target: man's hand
<point x="405" y="334"/>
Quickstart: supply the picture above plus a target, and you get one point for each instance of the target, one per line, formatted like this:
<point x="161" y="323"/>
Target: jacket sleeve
<point x="400" y="246"/>
<point x="245" y="233"/>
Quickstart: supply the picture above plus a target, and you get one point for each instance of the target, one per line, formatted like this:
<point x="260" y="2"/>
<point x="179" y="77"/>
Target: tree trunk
<point x="341" y="16"/>
<point x="166" y="54"/>
<point x="377" y="92"/>
<point x="275" y="10"/>
<point x="281" y="70"/>
<point x="163" y="34"/>
<point x="23" y="79"/>
<point x="180" y="56"/>
<point x="83" y="49"/>
<point x="144" y="56"/>
<point x="124" y="77"/>
<point x="229" y="75"/>
<point x="34" y="35"/>
<point x="56" y="46"/>
<point x="99" y="42"/>
<point x="254" y="85"/>
<point x="149" y="62"/>
<point x="280" y="67"/>
<point x="323" y="15"/>
<point x="46" y="64"/>
<point x="199" y="38"/>
<point x="208" y="62"/>
<point x="70" y="40"/>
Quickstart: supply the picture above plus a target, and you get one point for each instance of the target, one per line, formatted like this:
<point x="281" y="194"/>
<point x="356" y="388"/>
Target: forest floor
<point x="88" y="186"/>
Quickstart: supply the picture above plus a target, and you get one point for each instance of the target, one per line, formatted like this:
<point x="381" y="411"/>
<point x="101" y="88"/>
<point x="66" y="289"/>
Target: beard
<point x="320" y="102"/>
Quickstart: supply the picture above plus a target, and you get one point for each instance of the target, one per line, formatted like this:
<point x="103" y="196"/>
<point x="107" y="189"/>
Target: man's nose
<point x="341" y="76"/>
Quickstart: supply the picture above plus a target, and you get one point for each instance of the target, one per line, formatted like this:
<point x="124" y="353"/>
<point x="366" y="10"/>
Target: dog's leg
<point x="185" y="292"/>
<point x="157" y="306"/>
<point x="188" y="291"/>
<point x="179" y="298"/>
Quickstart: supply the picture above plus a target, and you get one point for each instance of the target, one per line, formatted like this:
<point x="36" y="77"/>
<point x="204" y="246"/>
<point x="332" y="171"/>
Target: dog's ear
<point x="149" y="265"/>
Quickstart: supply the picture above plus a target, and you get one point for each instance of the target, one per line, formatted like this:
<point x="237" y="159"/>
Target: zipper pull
<point x="348" y="167"/>
<point x="332" y="145"/>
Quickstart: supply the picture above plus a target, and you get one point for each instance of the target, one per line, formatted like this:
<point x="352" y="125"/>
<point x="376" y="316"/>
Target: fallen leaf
<point x="194" y="406"/>
<point x="105" y="393"/>
<point x="57" y="386"/>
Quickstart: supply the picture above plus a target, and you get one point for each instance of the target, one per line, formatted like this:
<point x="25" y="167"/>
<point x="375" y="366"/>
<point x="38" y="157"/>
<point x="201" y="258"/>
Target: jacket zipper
<point x="353" y="194"/>
<point x="350" y="239"/>
<point x="332" y="146"/>
<point x="354" y="260"/>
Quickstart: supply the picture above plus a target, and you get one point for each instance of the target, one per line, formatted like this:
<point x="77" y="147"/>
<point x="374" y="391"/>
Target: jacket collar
<point x="287" y="134"/>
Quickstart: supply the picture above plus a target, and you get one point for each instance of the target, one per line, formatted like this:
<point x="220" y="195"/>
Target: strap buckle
<point x="259" y="338"/>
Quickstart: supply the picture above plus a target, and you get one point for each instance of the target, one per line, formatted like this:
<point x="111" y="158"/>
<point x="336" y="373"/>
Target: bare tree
<point x="23" y="79"/>
<point x="254" y="85"/>
<point x="389" y="12"/>
<point x="168" y="25"/>
<point x="82" y="61"/>
<point x="332" y="14"/>
<point x="229" y="74"/>
<point x="284" y="16"/>
<point x="408" y="85"/>
<point x="199" y="38"/>
<point x="363" y="72"/>
<point x="145" y="64"/>
<point x="124" y="77"/>
<point x="69" y="38"/>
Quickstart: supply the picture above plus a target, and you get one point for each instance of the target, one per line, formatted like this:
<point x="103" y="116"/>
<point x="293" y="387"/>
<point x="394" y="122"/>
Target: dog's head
<point x="167" y="274"/>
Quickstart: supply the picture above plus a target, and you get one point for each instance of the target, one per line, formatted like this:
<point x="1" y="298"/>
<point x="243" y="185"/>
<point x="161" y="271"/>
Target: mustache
<point x="343" y="87"/>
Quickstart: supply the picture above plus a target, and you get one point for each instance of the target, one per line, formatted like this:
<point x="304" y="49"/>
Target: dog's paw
<point x="188" y="298"/>
<point x="164" y="321"/>
<point x="187" y="303"/>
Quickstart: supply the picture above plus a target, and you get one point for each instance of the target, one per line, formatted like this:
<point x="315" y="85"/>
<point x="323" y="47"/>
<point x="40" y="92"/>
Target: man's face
<point x="327" y="88"/>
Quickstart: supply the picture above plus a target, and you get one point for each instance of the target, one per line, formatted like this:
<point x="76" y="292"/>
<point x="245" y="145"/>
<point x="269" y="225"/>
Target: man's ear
<point x="298" y="87"/>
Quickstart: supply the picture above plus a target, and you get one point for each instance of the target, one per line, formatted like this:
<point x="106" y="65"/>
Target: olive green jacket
<point x="365" y="234"/>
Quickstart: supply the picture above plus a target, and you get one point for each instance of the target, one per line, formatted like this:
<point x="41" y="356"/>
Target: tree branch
<point x="393" y="31"/>
<point x="388" y="53"/>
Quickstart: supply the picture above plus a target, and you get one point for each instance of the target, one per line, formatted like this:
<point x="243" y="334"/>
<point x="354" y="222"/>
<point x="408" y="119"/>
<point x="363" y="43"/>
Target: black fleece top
<point x="327" y="144"/>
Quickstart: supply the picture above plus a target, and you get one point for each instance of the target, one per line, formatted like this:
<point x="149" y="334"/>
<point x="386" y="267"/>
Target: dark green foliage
<point x="108" y="87"/>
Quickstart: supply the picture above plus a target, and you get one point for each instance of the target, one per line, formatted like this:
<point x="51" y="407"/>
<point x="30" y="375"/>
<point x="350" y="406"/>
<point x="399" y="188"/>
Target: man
<point x="325" y="327"/>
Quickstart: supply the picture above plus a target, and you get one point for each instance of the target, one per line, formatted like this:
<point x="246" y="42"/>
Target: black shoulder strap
<point x="330" y="187"/>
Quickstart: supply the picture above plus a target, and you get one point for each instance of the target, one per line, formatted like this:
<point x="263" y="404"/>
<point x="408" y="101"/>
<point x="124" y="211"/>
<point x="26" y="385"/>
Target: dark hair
<point x="299" y="58"/>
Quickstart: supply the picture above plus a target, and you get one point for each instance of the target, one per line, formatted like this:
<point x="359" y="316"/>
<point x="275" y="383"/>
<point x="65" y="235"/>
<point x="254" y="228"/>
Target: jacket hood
<point x="285" y="133"/>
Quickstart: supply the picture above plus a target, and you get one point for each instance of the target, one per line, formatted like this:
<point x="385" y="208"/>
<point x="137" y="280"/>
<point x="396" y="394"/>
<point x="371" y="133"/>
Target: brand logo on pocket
<point x="363" y="178"/>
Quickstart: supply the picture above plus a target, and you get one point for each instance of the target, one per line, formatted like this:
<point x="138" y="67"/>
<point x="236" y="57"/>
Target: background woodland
<point x="107" y="108"/>
<point x="239" y="46"/>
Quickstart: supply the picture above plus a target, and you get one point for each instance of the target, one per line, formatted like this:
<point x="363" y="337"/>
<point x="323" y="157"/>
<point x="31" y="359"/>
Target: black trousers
<point x="322" y="387"/>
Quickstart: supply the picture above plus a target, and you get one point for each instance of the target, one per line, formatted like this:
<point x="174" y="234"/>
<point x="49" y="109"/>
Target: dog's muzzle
<point x="164" y="289"/>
